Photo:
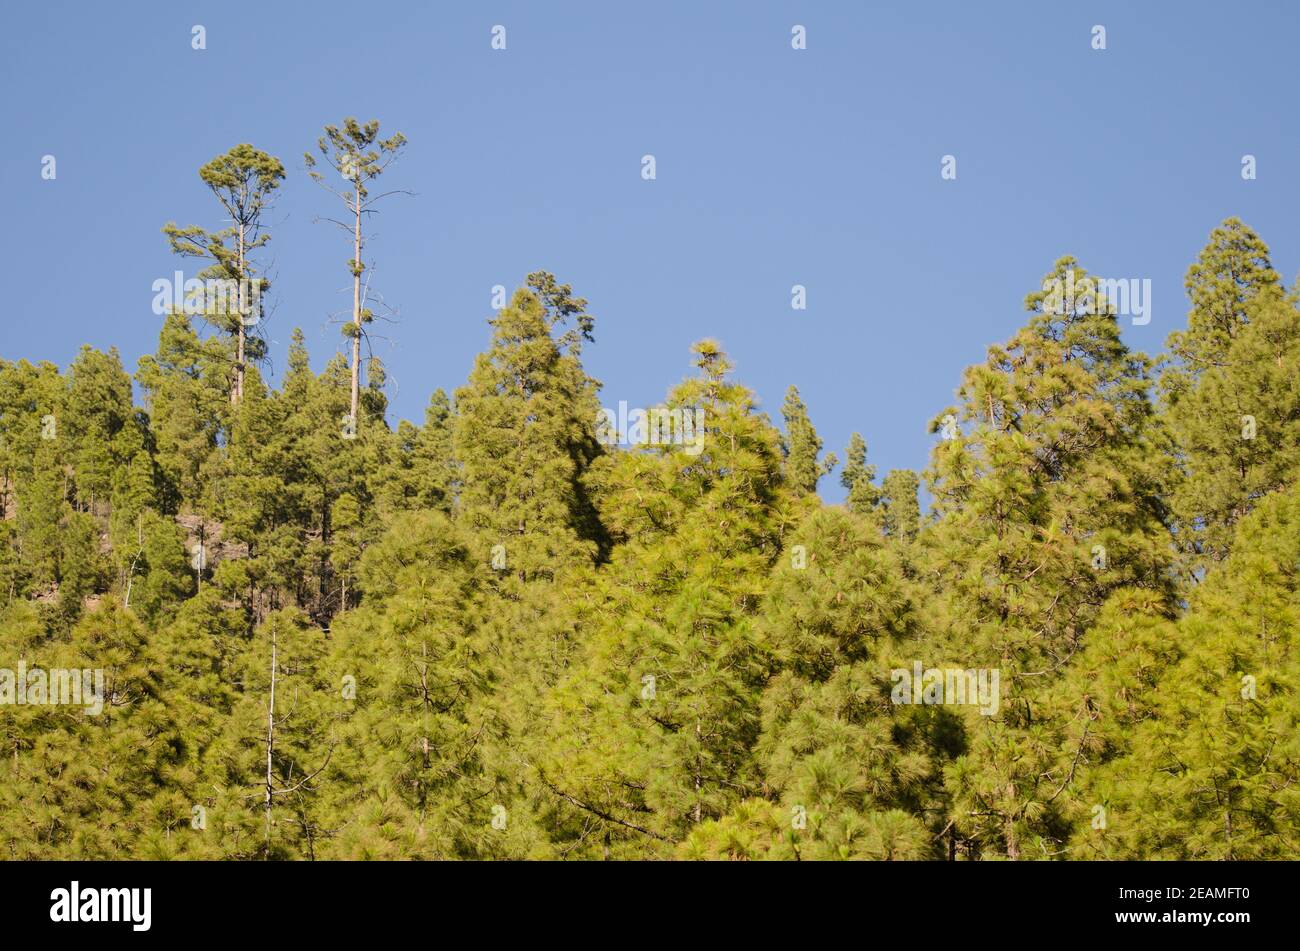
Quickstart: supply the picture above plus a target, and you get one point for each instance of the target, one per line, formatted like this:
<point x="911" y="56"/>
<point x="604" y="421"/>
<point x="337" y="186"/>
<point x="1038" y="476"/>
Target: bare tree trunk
<point x="356" y="306"/>
<point x="238" y="392"/>
<point x="130" y="577"/>
<point x="270" y="743"/>
<point x="1009" y="827"/>
<point x="201" y="558"/>
<point x="698" y="782"/>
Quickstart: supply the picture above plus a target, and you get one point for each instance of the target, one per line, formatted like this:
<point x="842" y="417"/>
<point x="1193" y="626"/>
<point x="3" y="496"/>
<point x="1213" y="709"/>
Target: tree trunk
<point x="356" y="306"/>
<point x="237" y="393"/>
<point x="270" y="743"/>
<point x="698" y="780"/>
<point x="1009" y="827"/>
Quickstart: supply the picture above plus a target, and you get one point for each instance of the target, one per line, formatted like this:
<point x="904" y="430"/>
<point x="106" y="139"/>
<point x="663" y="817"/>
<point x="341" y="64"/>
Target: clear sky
<point x="775" y="167"/>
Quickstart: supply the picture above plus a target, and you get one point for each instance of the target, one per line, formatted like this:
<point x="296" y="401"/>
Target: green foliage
<point x="1046" y="502"/>
<point x="358" y="155"/>
<point x="651" y="731"/>
<point x="490" y="635"/>
<point x="801" y="446"/>
<point x="859" y="478"/>
<point x="1231" y="392"/>
<point x="524" y="436"/>
<point x="244" y="182"/>
<point x="901" y="509"/>
<point x="1199" y="752"/>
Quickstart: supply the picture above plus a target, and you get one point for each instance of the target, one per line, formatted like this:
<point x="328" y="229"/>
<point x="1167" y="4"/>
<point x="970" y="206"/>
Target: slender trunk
<point x="698" y="781"/>
<point x="130" y="577"/>
<point x="270" y="743"/>
<point x="1009" y="826"/>
<point x="238" y="393"/>
<point x="323" y="586"/>
<point x="356" y="305"/>
<point x="421" y="792"/>
<point x="1227" y="826"/>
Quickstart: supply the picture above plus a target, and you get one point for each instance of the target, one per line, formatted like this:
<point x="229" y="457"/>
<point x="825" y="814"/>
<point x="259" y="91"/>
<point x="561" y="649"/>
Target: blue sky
<point x="775" y="167"/>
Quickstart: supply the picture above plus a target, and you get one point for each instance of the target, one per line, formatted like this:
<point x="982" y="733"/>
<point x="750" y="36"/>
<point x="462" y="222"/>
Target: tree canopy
<point x="497" y="632"/>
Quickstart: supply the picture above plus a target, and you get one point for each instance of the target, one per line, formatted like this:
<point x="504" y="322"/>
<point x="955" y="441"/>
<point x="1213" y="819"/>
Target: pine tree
<point x="186" y="397"/>
<point x="801" y="446"/>
<point x="1232" y="405"/>
<point x="417" y="470"/>
<point x="407" y="778"/>
<point x="1197" y="755"/>
<point x="243" y="181"/>
<point x="200" y="810"/>
<point x="1229" y="273"/>
<point x="433" y="463"/>
<point x="492" y="635"/>
<point x="524" y="435"/>
<point x="35" y="476"/>
<point x="1046" y="490"/>
<point x="859" y="478"/>
<point x="849" y="774"/>
<point x="651" y="734"/>
<point x="901" y="510"/>
<point x="359" y="156"/>
<point x="79" y="773"/>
